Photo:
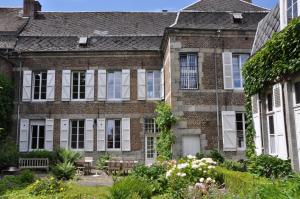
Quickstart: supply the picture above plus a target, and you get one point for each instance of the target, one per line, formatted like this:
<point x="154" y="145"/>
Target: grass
<point x="74" y="192"/>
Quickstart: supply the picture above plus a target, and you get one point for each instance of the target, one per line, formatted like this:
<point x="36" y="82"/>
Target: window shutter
<point x="279" y="122"/>
<point x="27" y="75"/>
<point x="64" y="133"/>
<point x="126" y="84"/>
<point x="229" y="131"/>
<point x="49" y="134"/>
<point x="89" y="135"/>
<point x="89" y="85"/>
<point x="66" y="85"/>
<point x="141" y="84"/>
<point x="101" y="134"/>
<point x="50" y="85"/>
<point x="24" y="135"/>
<point x="227" y="70"/>
<point x="162" y="82"/>
<point x="297" y="123"/>
<point x="257" y="124"/>
<point x="125" y="134"/>
<point x="101" y="85"/>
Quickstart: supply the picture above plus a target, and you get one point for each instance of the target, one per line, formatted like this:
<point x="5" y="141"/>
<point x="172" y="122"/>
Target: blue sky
<point x="117" y="5"/>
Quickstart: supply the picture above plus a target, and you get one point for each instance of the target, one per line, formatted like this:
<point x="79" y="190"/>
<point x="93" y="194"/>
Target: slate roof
<point x="223" y="5"/>
<point x="217" y="20"/>
<point x="95" y="43"/>
<point x="266" y="27"/>
<point x="7" y="42"/>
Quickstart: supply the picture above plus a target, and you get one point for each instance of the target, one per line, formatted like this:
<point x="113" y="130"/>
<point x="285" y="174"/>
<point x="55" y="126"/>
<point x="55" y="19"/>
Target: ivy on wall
<point x="276" y="61"/>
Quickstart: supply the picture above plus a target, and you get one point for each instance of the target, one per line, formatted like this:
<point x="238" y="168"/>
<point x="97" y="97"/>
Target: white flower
<point x="182" y="166"/>
<point x="208" y="160"/>
<point x="195" y="166"/>
<point x="168" y="174"/>
<point x="208" y="179"/>
<point x="191" y="157"/>
<point x="211" y="167"/>
<point x="181" y="174"/>
<point x="201" y="180"/>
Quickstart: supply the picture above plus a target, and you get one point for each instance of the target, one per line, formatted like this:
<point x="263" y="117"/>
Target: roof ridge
<point x="258" y="11"/>
<point x="67" y="12"/>
<point x="254" y="4"/>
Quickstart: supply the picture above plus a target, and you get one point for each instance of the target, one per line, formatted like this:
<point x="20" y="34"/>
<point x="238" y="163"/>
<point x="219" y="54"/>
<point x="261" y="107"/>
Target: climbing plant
<point x="164" y="120"/>
<point x="275" y="62"/>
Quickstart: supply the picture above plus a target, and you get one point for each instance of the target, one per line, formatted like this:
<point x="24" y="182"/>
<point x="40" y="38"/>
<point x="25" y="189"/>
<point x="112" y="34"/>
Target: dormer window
<point x="292" y="9"/>
<point x="83" y="41"/>
<point x="237" y="17"/>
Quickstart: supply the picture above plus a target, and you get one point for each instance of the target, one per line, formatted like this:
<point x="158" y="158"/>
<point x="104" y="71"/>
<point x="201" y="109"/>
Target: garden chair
<point x="127" y="166"/>
<point x="114" y="166"/>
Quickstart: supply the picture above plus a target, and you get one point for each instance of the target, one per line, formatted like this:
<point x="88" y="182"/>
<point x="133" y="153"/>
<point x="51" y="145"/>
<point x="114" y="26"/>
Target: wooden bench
<point x="34" y="163"/>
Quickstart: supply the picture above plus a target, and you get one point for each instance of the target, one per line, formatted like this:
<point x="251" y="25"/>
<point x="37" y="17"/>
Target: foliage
<point x="164" y="120"/>
<point x="129" y="186"/>
<point x="16" y="182"/>
<point x="6" y="105"/>
<point x="9" y="154"/>
<point x="52" y="156"/>
<point x="270" y="167"/>
<point x="216" y="156"/>
<point x="65" y="155"/>
<point x="101" y="163"/>
<point x="200" y="155"/>
<point x="64" y="170"/>
<point x="273" y="63"/>
<point x="46" y="186"/>
<point x="234" y="166"/>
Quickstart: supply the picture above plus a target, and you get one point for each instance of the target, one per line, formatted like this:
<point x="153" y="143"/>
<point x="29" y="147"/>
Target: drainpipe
<point x="19" y="97"/>
<point x="218" y="34"/>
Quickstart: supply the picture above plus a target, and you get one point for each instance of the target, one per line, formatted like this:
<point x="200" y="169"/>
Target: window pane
<point x="289" y="3"/>
<point x="75" y="85"/>
<point x="109" y="132"/>
<point x="110" y="85"/>
<point x="157" y="84"/>
<point x="34" y="131"/>
<point x="34" y="143"/>
<point x="117" y="134"/>
<point x="295" y="10"/>
<point x="42" y="137"/>
<point x="150" y="147"/>
<point x="82" y="85"/>
<point x="150" y="80"/>
<point x="271" y="125"/>
<point x="34" y="137"/>
<point x="297" y="92"/>
<point x="118" y="85"/>
<point x="188" y="71"/>
<point x="37" y="79"/>
<point x="270" y="102"/>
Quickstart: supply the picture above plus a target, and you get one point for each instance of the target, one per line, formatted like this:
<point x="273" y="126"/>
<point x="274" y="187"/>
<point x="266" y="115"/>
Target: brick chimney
<point x="31" y="8"/>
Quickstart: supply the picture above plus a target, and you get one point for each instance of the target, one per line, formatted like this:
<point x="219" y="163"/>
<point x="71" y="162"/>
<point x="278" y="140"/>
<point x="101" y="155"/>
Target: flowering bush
<point x="47" y="186"/>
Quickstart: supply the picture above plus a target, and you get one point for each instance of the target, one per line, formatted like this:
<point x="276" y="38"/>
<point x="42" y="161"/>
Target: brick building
<point x="90" y="80"/>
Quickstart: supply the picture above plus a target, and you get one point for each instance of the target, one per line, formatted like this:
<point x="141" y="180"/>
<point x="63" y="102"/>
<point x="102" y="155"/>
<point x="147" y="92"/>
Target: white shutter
<point x="49" y="134"/>
<point x="227" y="70"/>
<point x="297" y="125"/>
<point x="126" y="84"/>
<point x="141" y="84"/>
<point x="279" y="122"/>
<point x="125" y="134"/>
<point x="101" y="85"/>
<point x="229" y="131"/>
<point x="64" y="133"/>
<point x="89" y="135"/>
<point x="26" y="95"/>
<point x="162" y="84"/>
<point x="66" y="85"/>
<point x="101" y="134"/>
<point x="89" y="85"/>
<point x="24" y="135"/>
<point x="50" y="85"/>
<point x="257" y="124"/>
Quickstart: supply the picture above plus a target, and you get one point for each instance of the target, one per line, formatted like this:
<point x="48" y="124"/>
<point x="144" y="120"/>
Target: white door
<point x="150" y="148"/>
<point x="190" y="144"/>
<point x="297" y="124"/>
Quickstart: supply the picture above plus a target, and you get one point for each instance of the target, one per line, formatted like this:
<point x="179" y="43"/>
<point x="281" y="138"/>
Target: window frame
<point x="78" y="86"/>
<point x="244" y="130"/>
<point x="296" y="105"/>
<point x="38" y="123"/>
<point x="241" y="65"/>
<point x="188" y="54"/>
<point x="114" y="139"/>
<point x="153" y="84"/>
<point x="273" y="135"/>
<point x="114" y="86"/>
<point x="40" y="86"/>
<point x="77" y="133"/>
<point x="153" y="124"/>
<point x="292" y="10"/>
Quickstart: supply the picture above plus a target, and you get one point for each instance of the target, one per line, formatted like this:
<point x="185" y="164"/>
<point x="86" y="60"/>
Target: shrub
<point x="47" y="186"/>
<point x="216" y="156"/>
<point x="52" y="156"/>
<point x="270" y="167"/>
<point x="8" y="154"/>
<point x="130" y="186"/>
<point x="101" y="163"/>
<point x="64" y="171"/>
<point x="200" y="155"/>
<point x="234" y="166"/>
<point x="65" y="155"/>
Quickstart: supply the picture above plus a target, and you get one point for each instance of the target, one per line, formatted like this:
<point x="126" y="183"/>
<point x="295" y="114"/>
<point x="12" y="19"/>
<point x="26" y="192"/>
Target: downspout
<point x="217" y="91"/>
<point x="19" y="97"/>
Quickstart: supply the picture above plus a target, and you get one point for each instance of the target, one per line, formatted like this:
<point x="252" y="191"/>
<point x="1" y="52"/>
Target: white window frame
<point x="40" y="86"/>
<point x="78" y="87"/>
<point x="240" y="68"/>
<point x="296" y="105"/>
<point x="244" y="130"/>
<point x="154" y="137"/>
<point x="188" y="78"/>
<point x="114" y="86"/>
<point x="153" y="124"/>
<point x="153" y="85"/>
<point x="114" y="139"/>
<point x="37" y="123"/>
<point x="268" y="114"/>
<point x="70" y="135"/>
<point x="292" y="8"/>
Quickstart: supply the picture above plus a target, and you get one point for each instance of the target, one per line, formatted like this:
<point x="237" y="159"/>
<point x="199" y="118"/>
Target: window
<point x="150" y="147"/>
<point x="238" y="60"/>
<point x="270" y="102"/>
<point x="77" y="134"/>
<point x="189" y="71"/>
<point x="37" y="135"/>
<point x="241" y="129"/>
<point x="114" y="85"/>
<point x="113" y="132"/>
<point x="271" y="134"/>
<point x="39" y="85"/>
<point x="150" y="126"/>
<point x="153" y="84"/>
<point x="297" y="92"/>
<point x="292" y="9"/>
<point x="78" y="85"/>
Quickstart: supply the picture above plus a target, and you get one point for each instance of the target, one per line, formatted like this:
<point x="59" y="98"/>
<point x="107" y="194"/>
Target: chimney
<point x="31" y="8"/>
